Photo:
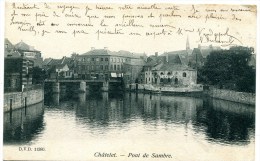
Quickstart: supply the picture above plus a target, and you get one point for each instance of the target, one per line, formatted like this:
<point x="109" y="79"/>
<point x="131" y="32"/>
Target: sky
<point x="58" y="45"/>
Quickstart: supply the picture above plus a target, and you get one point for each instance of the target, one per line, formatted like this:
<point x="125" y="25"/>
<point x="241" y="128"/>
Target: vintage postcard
<point x="129" y="81"/>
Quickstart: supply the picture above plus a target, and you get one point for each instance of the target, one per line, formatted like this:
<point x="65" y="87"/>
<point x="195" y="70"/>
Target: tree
<point x="228" y="69"/>
<point x="38" y="75"/>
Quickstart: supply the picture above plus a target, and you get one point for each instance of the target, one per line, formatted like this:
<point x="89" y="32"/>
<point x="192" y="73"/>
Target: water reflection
<point x="226" y="122"/>
<point x="221" y="121"/>
<point x="23" y="125"/>
<point x="217" y="121"/>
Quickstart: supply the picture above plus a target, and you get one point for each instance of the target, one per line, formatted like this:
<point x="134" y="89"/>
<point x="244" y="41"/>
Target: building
<point x="166" y="73"/>
<point x="60" y="68"/>
<point x="10" y="50"/>
<point x="170" y="69"/>
<point x="104" y="64"/>
<point x="17" y="74"/>
<point x="29" y="52"/>
<point x="199" y="55"/>
<point x="132" y="70"/>
<point x="23" y="50"/>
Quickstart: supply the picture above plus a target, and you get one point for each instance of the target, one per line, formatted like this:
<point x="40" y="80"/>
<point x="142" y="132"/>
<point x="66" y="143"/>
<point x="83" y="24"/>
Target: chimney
<point x="199" y="46"/>
<point x="92" y="48"/>
<point x="167" y="58"/>
<point x="156" y="54"/>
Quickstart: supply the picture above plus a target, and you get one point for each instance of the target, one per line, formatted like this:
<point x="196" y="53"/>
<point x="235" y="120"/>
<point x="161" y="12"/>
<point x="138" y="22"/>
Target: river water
<point x="85" y="126"/>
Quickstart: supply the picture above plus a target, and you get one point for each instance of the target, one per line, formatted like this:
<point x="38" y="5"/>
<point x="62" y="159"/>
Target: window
<point x="101" y="59"/>
<point x="114" y="67"/>
<point x="111" y="67"/>
<point x="97" y="59"/>
<point x="106" y="59"/>
<point x="9" y="83"/>
<point x="6" y="46"/>
<point x="161" y="73"/>
<point x="93" y="59"/>
<point x="184" y="74"/>
<point x="106" y="67"/>
<point x="83" y="59"/>
<point x="161" y="80"/>
<point x="101" y="67"/>
<point x="92" y="67"/>
<point x="118" y="67"/>
<point x="16" y="83"/>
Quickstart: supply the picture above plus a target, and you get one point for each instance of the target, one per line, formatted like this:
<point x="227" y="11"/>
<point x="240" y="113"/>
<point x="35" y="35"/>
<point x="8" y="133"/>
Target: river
<point x="87" y="125"/>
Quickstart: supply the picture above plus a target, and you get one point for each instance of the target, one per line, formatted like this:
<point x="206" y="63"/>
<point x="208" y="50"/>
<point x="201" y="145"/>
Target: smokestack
<point x="156" y="54"/>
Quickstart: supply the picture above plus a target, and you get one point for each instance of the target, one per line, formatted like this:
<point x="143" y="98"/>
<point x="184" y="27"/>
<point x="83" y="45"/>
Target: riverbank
<point x="229" y="95"/>
<point x="195" y="91"/>
<point x="16" y="100"/>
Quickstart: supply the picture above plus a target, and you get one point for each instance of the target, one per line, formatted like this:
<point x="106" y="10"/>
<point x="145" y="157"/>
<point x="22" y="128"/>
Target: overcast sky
<point x="57" y="45"/>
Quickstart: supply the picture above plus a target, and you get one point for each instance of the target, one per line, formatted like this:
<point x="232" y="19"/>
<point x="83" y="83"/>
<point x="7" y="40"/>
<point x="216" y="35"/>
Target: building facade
<point x="103" y="64"/>
<point x="165" y="74"/>
<point x="17" y="74"/>
<point x="29" y="52"/>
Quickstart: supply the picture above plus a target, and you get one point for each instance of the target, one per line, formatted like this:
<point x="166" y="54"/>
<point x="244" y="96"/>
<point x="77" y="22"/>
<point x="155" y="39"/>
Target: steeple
<point x="187" y="43"/>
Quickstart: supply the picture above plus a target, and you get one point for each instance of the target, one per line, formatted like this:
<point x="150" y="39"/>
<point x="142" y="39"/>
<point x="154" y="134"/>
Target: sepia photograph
<point x="127" y="81"/>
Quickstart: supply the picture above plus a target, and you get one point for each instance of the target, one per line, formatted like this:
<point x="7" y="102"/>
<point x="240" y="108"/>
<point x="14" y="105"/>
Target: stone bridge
<point x="60" y="84"/>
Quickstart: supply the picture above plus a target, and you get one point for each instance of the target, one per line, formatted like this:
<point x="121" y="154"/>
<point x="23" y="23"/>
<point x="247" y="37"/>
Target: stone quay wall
<point x="16" y="100"/>
<point x="229" y="95"/>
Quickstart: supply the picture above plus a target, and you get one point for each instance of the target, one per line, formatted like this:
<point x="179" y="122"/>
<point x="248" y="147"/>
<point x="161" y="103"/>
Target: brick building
<point x="104" y="64"/>
<point x="17" y="74"/>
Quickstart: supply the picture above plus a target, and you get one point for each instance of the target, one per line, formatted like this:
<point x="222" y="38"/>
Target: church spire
<point x="187" y="43"/>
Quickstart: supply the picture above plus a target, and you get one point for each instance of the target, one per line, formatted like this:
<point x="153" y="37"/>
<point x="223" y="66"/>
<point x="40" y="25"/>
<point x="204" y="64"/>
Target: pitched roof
<point x="46" y="61"/>
<point x="66" y="60"/>
<point x="54" y="62"/>
<point x="10" y="45"/>
<point x="98" y="52"/>
<point x="60" y="66"/>
<point x="12" y="53"/>
<point x="174" y="67"/>
<point x="177" y="57"/>
<point x="151" y="64"/>
<point x="24" y="47"/>
<point x="105" y="52"/>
